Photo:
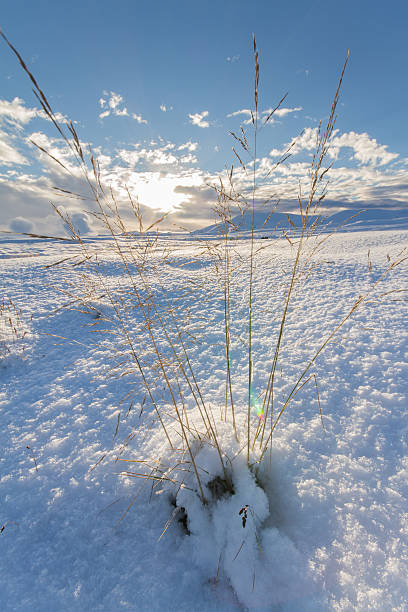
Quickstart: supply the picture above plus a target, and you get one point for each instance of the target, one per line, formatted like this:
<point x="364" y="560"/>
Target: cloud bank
<point x="167" y="176"/>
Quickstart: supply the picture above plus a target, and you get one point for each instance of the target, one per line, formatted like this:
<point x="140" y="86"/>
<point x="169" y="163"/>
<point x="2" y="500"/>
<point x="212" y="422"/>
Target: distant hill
<point x="370" y="219"/>
<point x="276" y="222"/>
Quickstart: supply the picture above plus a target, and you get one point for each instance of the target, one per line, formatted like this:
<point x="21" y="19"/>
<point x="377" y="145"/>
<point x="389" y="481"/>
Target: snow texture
<point x="326" y="519"/>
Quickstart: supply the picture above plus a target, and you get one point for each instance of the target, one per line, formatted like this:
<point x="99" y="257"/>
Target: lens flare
<point x="256" y="404"/>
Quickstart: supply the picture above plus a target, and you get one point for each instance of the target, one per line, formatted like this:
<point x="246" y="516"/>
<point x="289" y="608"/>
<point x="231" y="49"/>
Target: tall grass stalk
<point x="164" y="355"/>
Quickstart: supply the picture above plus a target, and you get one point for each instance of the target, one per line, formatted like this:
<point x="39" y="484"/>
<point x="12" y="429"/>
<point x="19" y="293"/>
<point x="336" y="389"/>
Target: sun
<point x="159" y="192"/>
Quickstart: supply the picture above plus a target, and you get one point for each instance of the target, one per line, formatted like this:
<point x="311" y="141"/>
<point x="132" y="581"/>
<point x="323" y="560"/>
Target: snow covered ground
<point x="334" y="527"/>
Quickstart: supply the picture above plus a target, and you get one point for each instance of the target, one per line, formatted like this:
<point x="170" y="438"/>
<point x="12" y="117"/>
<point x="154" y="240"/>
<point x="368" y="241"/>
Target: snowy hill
<point x="349" y="220"/>
<point x="263" y="222"/>
<point x="370" y="219"/>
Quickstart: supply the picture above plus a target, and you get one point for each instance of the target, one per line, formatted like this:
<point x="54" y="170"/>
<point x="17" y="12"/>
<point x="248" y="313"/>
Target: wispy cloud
<point x="113" y="105"/>
<point x="233" y="58"/>
<point x="282" y="112"/>
<point x="279" y="113"/>
<point x="199" y="119"/>
<point x="190" y="146"/>
<point x="165" y="109"/>
<point x="243" y="111"/>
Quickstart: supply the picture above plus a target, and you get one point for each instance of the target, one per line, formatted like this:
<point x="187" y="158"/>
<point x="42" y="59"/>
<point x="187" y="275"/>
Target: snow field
<point x="328" y="529"/>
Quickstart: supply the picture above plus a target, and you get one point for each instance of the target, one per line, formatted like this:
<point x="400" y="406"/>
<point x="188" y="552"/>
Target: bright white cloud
<point x="280" y="112"/>
<point x="163" y="108"/>
<point x="190" y="146"/>
<point x="131" y="158"/>
<point x="188" y="159"/>
<point x="113" y="104"/>
<point x="158" y="156"/>
<point x="16" y="112"/>
<point x="366" y="149"/>
<point x="199" y="119"/>
<point x="243" y="111"/>
<point x="138" y="118"/>
<point x="114" y="100"/>
<point x="305" y="142"/>
<point x="9" y="154"/>
<point x="57" y="148"/>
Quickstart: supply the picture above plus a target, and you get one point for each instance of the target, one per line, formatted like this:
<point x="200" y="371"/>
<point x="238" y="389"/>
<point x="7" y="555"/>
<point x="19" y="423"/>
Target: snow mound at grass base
<point x="230" y="540"/>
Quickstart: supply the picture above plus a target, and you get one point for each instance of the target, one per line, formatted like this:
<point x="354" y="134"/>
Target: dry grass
<point x="154" y="336"/>
<point x="12" y="328"/>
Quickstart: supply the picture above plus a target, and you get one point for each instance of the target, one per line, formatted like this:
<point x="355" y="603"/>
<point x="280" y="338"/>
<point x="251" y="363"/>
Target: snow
<point x="327" y="519"/>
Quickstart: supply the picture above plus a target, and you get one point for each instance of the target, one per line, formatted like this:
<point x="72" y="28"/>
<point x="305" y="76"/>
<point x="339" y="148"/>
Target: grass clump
<point x="207" y="453"/>
<point x="13" y="330"/>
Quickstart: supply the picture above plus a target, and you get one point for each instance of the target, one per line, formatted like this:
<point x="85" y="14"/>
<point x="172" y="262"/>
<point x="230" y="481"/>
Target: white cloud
<point x="138" y="118"/>
<point x="165" y="155"/>
<point x="114" y="100"/>
<point x="158" y="157"/>
<point x="114" y="105"/>
<point x="199" y="119"/>
<point x="188" y="159"/>
<point x="8" y="154"/>
<point x="305" y="142"/>
<point x="57" y="148"/>
<point x="16" y="112"/>
<point x="243" y="111"/>
<point x="233" y="58"/>
<point x="190" y="146"/>
<point x="366" y="149"/>
<point x="158" y="171"/>
<point x="280" y="112"/>
<point x="163" y="108"/>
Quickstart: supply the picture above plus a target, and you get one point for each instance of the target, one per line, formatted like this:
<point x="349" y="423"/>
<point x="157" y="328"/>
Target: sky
<point x="156" y="88"/>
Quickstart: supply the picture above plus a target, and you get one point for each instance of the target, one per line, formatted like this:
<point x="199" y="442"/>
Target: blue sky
<point x="156" y="87"/>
